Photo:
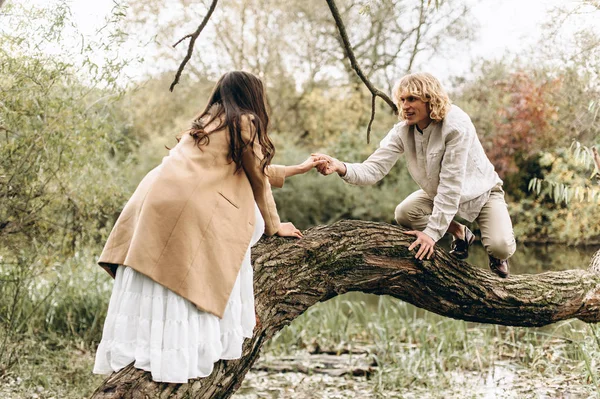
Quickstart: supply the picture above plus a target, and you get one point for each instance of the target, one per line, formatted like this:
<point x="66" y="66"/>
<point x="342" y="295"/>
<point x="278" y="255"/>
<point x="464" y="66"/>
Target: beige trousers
<point x="494" y="221"/>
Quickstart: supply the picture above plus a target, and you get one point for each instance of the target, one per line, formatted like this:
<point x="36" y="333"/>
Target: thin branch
<point x="418" y="38"/>
<point x="596" y="158"/>
<point x="193" y="37"/>
<point x="371" y="120"/>
<point x="182" y="39"/>
<point x="350" y="53"/>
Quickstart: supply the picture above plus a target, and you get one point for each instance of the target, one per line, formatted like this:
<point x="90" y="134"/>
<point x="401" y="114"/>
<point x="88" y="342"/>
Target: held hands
<point x="311" y="162"/>
<point x="288" y="230"/>
<point x="331" y="165"/>
<point x="325" y="164"/>
<point x="427" y="245"/>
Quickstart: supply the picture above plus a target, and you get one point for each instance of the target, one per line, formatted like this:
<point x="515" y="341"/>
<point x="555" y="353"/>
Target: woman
<point x="180" y="250"/>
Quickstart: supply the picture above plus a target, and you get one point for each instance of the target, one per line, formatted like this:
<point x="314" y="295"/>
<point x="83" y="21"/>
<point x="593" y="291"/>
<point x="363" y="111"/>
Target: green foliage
<point x="156" y="112"/>
<point x="63" y="143"/>
<point x="570" y="183"/>
<point x="565" y="204"/>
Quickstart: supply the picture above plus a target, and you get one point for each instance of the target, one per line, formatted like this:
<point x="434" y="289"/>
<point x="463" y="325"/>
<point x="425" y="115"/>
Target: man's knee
<point x="403" y="216"/>
<point x="502" y="248"/>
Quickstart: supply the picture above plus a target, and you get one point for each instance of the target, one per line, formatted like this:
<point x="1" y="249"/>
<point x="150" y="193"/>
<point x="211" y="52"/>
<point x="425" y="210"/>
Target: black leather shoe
<point x="460" y="248"/>
<point x="499" y="266"/>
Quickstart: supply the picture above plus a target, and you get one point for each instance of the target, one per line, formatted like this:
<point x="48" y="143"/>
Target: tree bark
<point x="292" y="275"/>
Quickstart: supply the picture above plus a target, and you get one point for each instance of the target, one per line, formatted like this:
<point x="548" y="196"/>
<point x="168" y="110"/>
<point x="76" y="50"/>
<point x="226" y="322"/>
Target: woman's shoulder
<point x="247" y="120"/>
<point x="247" y="126"/>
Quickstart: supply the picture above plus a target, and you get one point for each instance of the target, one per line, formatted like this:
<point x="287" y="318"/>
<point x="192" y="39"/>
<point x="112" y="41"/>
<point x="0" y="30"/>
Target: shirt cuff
<point x="349" y="177"/>
<point x="434" y="234"/>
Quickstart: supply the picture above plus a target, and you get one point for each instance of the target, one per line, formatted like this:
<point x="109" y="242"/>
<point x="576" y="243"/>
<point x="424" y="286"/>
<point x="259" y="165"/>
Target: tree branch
<point x="418" y="38"/>
<point x="292" y="275"/>
<point x="371" y="120"/>
<point x="350" y="53"/>
<point x="596" y="158"/>
<point x="193" y="37"/>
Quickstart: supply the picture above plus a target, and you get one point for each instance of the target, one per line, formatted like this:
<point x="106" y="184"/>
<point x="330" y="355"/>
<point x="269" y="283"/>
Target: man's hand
<point x="427" y="245"/>
<point x="332" y="165"/>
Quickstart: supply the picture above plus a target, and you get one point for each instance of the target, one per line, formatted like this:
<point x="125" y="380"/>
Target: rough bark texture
<point x="292" y="275"/>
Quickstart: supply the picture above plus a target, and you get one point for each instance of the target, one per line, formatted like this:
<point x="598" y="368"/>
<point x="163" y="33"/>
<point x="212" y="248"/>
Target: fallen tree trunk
<point x="292" y="275"/>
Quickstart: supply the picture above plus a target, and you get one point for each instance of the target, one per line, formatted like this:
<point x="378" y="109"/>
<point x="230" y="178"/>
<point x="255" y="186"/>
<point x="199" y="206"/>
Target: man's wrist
<point x="341" y="169"/>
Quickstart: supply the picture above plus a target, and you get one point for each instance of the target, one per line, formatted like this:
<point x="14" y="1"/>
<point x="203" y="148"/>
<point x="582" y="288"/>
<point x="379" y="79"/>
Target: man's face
<point x="414" y="110"/>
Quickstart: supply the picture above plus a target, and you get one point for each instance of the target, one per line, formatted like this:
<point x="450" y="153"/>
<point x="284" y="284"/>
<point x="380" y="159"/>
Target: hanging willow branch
<point x="192" y="37"/>
<point x="350" y="53"/>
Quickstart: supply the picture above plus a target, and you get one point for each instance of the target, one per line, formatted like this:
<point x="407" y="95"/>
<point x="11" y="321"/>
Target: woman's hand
<point x="311" y="162"/>
<point x="288" y="230"/>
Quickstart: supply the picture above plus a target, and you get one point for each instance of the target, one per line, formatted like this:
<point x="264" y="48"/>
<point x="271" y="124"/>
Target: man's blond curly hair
<point x="428" y="89"/>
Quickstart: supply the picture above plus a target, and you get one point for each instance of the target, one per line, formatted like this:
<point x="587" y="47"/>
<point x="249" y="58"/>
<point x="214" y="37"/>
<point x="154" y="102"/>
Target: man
<point x="445" y="157"/>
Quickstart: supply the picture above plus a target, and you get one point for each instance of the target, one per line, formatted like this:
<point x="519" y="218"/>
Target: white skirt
<point x="166" y="334"/>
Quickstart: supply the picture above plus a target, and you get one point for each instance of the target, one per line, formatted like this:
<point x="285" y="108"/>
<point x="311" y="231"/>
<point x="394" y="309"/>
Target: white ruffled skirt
<point x="166" y="334"/>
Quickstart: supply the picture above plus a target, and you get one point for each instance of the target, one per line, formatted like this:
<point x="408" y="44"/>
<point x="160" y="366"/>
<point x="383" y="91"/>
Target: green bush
<point x="64" y="144"/>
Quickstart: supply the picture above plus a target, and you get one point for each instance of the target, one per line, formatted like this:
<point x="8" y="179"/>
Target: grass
<point x="50" y="323"/>
<point x="52" y="367"/>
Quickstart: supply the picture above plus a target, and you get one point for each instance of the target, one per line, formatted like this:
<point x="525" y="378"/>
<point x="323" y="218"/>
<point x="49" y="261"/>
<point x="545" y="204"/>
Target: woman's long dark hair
<point x="236" y="94"/>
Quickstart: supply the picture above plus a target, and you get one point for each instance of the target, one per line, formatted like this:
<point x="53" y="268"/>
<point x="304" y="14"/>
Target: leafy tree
<point x="522" y="111"/>
<point x="565" y="203"/>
